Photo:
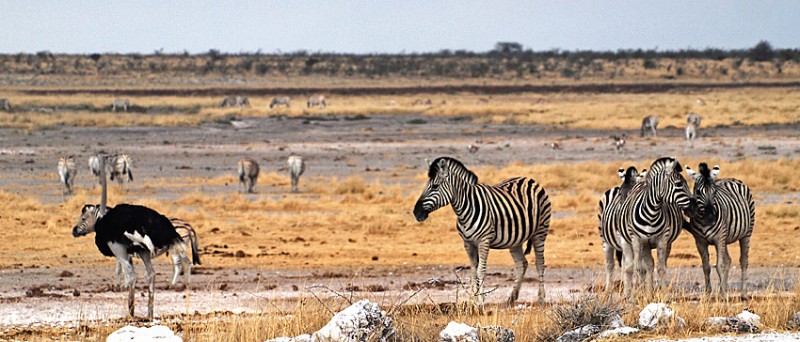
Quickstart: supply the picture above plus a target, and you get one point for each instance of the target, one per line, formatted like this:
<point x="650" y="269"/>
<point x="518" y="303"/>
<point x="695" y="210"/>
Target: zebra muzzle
<point x="420" y="213"/>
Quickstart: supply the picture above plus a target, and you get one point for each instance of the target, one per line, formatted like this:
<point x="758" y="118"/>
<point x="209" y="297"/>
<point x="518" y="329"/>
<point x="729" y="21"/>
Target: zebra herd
<point x="120" y="167"/>
<point x="316" y="100"/>
<point x="647" y="211"/>
<point x="248" y="171"/>
<point x="650" y="126"/>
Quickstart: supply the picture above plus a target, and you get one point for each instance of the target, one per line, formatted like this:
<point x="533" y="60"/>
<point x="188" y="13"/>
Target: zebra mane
<point x="455" y="165"/>
<point x="704" y="170"/>
<point x="660" y="165"/>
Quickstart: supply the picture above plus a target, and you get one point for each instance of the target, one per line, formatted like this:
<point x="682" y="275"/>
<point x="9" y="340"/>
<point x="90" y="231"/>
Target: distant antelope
<point x="248" y="174"/>
<point x="5" y="104"/>
<point x="472" y="148"/>
<point x="316" y="100"/>
<point x="296" y="168"/>
<point x="121" y="167"/>
<point x="619" y="141"/>
<point x="554" y="145"/>
<point x="234" y="101"/>
<point x="281" y="101"/>
<point x="67" y="172"/>
<point x="120" y="103"/>
<point x="650" y="123"/>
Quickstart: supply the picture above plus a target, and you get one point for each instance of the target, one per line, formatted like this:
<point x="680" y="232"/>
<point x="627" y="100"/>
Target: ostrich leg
<point x="124" y="260"/>
<point x="151" y="282"/>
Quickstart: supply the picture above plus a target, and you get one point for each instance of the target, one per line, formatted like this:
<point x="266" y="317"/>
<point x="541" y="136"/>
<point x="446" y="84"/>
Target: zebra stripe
<point x="726" y="213"/>
<point x="651" y="218"/>
<point x="504" y="216"/>
<point x="67" y="172"/>
<point x="296" y="168"/>
<point x="248" y="174"/>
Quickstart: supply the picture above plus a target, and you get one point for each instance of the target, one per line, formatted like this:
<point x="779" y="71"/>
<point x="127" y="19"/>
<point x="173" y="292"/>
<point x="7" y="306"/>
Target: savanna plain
<point x="277" y="263"/>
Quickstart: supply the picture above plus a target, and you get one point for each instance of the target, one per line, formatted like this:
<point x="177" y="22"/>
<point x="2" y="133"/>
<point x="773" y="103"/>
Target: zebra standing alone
<point x="67" y="172"/>
<point x="281" y="101"/>
<point x="248" y="174"/>
<point x="121" y="167"/>
<point x="511" y="214"/>
<point x="316" y="100"/>
<point x="608" y="218"/>
<point x="726" y="213"/>
<point x="94" y="166"/>
<point x="235" y="101"/>
<point x="692" y="127"/>
<point x="649" y="123"/>
<point x="296" y="168"/>
<point x="650" y="217"/>
<point x="120" y="103"/>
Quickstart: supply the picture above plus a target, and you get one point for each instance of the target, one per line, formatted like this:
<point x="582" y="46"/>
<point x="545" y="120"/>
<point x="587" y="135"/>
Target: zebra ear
<point x="86" y="207"/>
<point x="621" y="173"/>
<point x="444" y="171"/>
<point x="691" y="173"/>
<point x="715" y="172"/>
<point x="642" y="175"/>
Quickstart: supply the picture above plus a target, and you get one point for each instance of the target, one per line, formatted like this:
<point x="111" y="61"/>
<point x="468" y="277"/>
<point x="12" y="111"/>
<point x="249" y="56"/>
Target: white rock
<point x="616" y="332"/>
<point x="356" y="323"/>
<point x="747" y="316"/>
<point x="717" y="321"/>
<point x="157" y="333"/>
<point x="578" y="334"/>
<point x="616" y="322"/>
<point x="459" y="332"/>
<point x="301" y="338"/>
<point x="658" y="314"/>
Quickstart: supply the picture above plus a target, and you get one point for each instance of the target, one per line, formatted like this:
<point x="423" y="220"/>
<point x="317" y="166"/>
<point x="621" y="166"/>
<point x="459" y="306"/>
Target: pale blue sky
<point x="390" y="27"/>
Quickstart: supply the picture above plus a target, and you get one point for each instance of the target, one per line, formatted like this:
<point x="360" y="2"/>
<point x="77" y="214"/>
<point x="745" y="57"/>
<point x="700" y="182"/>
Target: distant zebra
<point x="650" y="217"/>
<point x="316" y="100"/>
<point x="693" y="118"/>
<point x="180" y="258"/>
<point x="120" y="103"/>
<point x="296" y="168"/>
<point x="94" y="166"/>
<point x="508" y="215"/>
<point x="248" y="174"/>
<point x="726" y="214"/>
<point x="691" y="133"/>
<point x="5" y="104"/>
<point x="608" y="218"/>
<point x="67" y="172"/>
<point x="281" y="101"/>
<point x="649" y="123"/>
<point x="121" y="168"/>
<point x="234" y="101"/>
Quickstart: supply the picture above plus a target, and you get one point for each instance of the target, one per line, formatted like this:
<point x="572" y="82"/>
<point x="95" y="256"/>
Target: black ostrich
<point x="127" y="229"/>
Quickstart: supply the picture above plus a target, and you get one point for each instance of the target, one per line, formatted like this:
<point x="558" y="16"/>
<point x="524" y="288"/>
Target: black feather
<point x="133" y="218"/>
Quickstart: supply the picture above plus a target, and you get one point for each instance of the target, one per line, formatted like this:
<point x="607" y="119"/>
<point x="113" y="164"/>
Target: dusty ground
<point x="392" y="149"/>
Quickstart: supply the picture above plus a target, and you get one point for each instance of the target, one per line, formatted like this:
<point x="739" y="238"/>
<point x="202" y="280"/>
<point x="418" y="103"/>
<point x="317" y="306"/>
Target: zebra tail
<point x="130" y="176"/>
<point x="195" y="252"/>
<point x="619" y="258"/>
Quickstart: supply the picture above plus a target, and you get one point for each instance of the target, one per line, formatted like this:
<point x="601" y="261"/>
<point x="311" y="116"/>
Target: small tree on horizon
<point x="762" y="52"/>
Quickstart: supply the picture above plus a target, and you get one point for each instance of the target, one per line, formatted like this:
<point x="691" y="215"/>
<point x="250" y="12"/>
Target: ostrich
<point x="126" y="230"/>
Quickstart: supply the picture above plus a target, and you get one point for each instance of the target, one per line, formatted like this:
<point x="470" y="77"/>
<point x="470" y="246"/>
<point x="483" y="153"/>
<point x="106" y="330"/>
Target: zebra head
<point x="705" y="191"/>
<point x="444" y="175"/>
<point x="665" y="179"/>
<point x="89" y="215"/>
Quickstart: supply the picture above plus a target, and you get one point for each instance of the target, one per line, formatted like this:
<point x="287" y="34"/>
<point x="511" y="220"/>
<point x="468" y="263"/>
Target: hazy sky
<point x="391" y="27"/>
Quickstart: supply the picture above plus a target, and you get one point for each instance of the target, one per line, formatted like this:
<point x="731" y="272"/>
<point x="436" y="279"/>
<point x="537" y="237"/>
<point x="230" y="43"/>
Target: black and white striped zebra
<point x="316" y="100"/>
<point x="692" y="127"/>
<point x="296" y="166"/>
<point x="94" y="166"/>
<point x="248" y="174"/>
<point x="509" y="215"/>
<point x="121" y="103"/>
<point x="608" y="218"/>
<point x="726" y="213"/>
<point x="650" y="217"/>
<point x="649" y="123"/>
<point x="235" y="101"/>
<point x="121" y="168"/>
<point x="67" y="172"/>
<point x="280" y="101"/>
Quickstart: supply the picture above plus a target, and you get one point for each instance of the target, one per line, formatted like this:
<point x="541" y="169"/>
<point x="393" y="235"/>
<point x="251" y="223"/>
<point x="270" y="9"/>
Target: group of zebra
<point x="120" y="167"/>
<point x="650" y="124"/>
<point x="647" y="211"/>
<point x="286" y="101"/>
<point x="248" y="171"/>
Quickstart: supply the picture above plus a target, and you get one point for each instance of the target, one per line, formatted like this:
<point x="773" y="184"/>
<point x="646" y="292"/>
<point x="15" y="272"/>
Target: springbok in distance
<point x="67" y="172"/>
<point x="316" y="100"/>
<point x="120" y="102"/>
<point x="649" y="123"/>
<point x="280" y="101"/>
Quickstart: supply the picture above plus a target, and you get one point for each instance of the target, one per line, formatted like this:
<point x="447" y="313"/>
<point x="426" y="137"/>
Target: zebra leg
<point x="520" y="267"/>
<point x="608" y="252"/>
<point x="723" y="266"/>
<point x="151" y="281"/>
<point x="538" y="249"/>
<point x="472" y="253"/>
<point x="702" y="248"/>
<point x="177" y="262"/>
<point x="628" y="261"/>
<point x="744" y="245"/>
<point x="483" y="258"/>
<point x="662" y="251"/>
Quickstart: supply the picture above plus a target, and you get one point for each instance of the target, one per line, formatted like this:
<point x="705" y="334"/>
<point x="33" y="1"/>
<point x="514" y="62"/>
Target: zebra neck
<point x="462" y="196"/>
<point x="652" y="200"/>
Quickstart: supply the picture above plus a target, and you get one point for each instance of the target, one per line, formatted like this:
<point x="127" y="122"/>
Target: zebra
<point x="316" y="100"/>
<point x="296" y="168"/>
<point x="650" y="123"/>
<point x="235" y="101"/>
<point x="281" y="101"/>
<point x="120" y="103"/>
<point x="94" y="166"/>
<point x="180" y="258"/>
<point x="67" y="172"/>
<point x="120" y="167"/>
<point x="691" y="133"/>
<point x="248" y="174"/>
<point x="5" y="104"/>
<point x="726" y="214"/>
<point x="508" y="215"/>
<point x="608" y="217"/>
<point x="650" y="217"/>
